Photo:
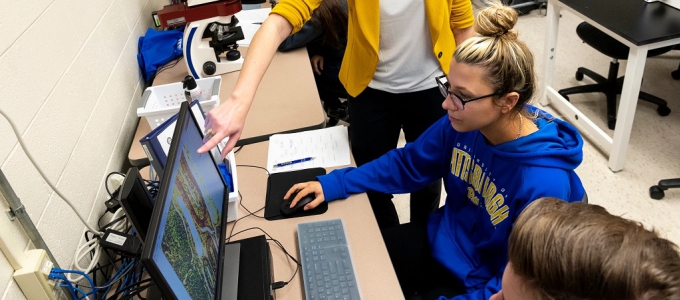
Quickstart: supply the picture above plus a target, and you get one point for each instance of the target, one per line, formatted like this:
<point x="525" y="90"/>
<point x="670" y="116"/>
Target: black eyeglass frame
<point x="444" y="87"/>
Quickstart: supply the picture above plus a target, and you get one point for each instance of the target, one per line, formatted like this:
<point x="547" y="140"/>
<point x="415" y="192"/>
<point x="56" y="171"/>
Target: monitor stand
<point x="230" y="270"/>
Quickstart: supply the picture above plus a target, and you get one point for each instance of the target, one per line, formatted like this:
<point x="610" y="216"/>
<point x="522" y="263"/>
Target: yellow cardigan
<point x="361" y="55"/>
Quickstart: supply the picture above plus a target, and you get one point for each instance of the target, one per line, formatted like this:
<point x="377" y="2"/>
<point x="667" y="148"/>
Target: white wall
<point x="69" y="80"/>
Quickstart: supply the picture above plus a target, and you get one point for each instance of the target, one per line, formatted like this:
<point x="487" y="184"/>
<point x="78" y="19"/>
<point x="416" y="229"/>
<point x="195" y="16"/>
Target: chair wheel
<point x="579" y="76"/>
<point x="332" y="122"/>
<point x="656" y="193"/>
<point x="663" y="111"/>
<point x="611" y="124"/>
<point x="676" y="74"/>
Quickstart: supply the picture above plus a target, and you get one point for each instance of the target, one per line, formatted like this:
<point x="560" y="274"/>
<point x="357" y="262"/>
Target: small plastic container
<point x="162" y="102"/>
<point x="191" y="88"/>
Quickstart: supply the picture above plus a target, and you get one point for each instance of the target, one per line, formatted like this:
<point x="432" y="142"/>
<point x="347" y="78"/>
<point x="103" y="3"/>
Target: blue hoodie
<point x="487" y="187"/>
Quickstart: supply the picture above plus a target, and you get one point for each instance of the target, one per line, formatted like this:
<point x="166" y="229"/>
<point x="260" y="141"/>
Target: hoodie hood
<point x="555" y="144"/>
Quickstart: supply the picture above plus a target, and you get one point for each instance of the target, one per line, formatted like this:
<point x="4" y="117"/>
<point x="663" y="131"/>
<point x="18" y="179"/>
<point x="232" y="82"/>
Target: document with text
<point x="328" y="147"/>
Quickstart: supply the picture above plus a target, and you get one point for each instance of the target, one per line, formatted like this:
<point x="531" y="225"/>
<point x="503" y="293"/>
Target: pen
<point x="292" y="162"/>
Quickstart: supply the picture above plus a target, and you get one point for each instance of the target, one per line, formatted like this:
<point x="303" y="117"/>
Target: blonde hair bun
<point x="496" y="20"/>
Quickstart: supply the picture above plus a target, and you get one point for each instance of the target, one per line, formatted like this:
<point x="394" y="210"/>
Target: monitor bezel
<point x="152" y="233"/>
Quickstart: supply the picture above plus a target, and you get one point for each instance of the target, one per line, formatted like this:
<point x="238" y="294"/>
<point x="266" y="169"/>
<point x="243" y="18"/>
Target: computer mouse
<point x="287" y="210"/>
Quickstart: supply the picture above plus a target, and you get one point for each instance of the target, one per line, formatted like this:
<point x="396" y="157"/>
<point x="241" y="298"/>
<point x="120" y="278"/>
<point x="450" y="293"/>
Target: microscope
<point x="210" y="36"/>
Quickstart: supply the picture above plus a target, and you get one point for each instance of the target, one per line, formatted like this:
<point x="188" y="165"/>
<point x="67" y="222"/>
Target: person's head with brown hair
<point x="559" y="250"/>
<point x="331" y="18"/>
<point x="491" y="78"/>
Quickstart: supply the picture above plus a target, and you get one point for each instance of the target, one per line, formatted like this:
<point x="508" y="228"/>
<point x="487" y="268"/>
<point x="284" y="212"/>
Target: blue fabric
<point x="156" y="48"/>
<point x="226" y="175"/>
<point x="487" y="187"/>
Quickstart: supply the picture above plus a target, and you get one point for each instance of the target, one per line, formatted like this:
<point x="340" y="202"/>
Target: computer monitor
<point x="137" y="202"/>
<point x="184" y="246"/>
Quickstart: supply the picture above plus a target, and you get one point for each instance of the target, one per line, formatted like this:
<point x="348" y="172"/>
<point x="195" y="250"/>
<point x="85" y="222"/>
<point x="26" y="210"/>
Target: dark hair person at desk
<point x="394" y="51"/>
<point x="495" y="153"/>
<point x="562" y="250"/>
<point x="325" y="36"/>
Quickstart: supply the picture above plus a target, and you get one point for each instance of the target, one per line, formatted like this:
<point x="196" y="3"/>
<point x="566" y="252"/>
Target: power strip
<point x="32" y="278"/>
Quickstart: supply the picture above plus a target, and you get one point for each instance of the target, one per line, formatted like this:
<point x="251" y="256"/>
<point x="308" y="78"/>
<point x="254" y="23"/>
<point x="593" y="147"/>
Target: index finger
<point x="211" y="143"/>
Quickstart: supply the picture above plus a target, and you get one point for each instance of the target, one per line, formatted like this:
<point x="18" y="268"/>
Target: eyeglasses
<point x="444" y="87"/>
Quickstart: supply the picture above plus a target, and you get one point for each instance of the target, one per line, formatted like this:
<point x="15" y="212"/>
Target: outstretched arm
<point x="462" y="19"/>
<point x="228" y="118"/>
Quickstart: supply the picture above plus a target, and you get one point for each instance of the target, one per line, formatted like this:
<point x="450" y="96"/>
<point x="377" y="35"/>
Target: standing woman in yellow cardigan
<point x="395" y="49"/>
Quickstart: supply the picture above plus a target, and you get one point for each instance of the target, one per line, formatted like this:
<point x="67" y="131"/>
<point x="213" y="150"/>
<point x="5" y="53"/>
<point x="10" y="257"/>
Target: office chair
<point x="610" y="86"/>
<point x="657" y="191"/>
<point x="524" y="7"/>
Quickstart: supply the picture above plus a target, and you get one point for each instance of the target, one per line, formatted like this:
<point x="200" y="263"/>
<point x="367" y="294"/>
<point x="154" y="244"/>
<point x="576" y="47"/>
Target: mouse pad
<point x="277" y="186"/>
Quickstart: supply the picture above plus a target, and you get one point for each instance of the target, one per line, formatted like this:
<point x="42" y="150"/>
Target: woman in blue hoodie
<point x="495" y="153"/>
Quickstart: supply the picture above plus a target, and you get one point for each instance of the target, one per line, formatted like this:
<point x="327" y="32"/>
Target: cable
<point x="127" y="288"/>
<point x="139" y="290"/>
<point x="58" y="273"/>
<point x="168" y="65"/>
<point x="92" y="246"/>
<point x="257" y="167"/>
<point x="106" y="182"/>
<point x="278" y="284"/>
<point x="241" y="202"/>
<point x="68" y="284"/>
<point x="54" y="188"/>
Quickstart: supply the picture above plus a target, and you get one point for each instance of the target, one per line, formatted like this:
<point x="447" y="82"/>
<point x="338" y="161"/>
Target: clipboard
<point x="277" y="186"/>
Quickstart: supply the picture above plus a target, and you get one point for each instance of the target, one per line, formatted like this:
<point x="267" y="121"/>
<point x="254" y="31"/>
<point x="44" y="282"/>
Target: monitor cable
<point x="42" y="174"/>
<point x="277" y="284"/>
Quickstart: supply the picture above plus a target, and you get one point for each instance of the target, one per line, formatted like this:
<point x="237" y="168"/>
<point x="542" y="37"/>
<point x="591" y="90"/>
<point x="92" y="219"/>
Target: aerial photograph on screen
<point x="191" y="239"/>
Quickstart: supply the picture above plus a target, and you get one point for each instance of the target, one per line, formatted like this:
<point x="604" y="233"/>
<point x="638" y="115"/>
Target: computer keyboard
<point x="327" y="268"/>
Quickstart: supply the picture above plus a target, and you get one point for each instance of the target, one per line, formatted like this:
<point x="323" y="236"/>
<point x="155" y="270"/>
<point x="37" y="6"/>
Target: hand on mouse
<point x="304" y="189"/>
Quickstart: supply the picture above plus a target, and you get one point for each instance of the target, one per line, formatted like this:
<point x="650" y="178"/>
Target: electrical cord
<point x="278" y="284"/>
<point x="131" y="286"/>
<point x="57" y="273"/>
<point x="106" y="183"/>
<point x="68" y="285"/>
<point x="92" y="246"/>
<point x="40" y="171"/>
<point x="167" y="66"/>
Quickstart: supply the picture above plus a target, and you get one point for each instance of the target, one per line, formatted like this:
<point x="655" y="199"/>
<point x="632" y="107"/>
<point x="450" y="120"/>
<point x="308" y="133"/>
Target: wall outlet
<point x="32" y="278"/>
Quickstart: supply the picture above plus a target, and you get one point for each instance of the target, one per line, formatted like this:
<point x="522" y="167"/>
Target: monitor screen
<point x="186" y="234"/>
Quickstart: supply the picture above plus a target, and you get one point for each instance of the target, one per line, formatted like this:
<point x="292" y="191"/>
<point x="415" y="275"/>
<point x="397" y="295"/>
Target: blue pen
<point x="292" y="162"/>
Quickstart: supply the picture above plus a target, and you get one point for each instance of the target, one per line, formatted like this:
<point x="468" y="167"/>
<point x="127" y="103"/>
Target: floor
<point x="653" y="153"/>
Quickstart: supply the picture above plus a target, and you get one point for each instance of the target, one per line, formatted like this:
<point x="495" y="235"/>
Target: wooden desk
<point x="372" y="264"/>
<point x="639" y="25"/>
<point x="286" y="100"/>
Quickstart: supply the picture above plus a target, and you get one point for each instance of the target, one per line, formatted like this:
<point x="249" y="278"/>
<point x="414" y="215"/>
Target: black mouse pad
<point x="277" y="186"/>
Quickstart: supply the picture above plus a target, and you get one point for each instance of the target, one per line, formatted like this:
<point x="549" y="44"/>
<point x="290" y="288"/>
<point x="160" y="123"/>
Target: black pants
<point x="420" y="276"/>
<point x="377" y="118"/>
<point x="328" y="84"/>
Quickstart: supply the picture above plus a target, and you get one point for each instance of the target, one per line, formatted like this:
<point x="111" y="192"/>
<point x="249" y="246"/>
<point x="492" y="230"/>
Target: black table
<point x="639" y="25"/>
